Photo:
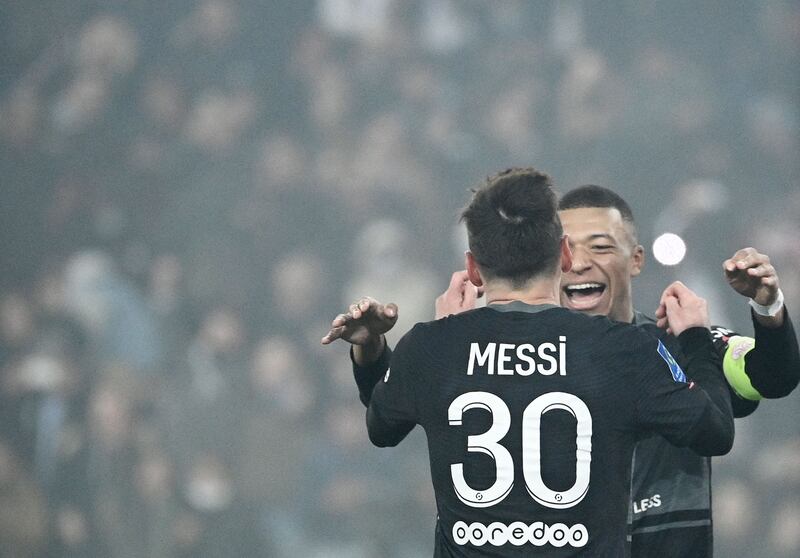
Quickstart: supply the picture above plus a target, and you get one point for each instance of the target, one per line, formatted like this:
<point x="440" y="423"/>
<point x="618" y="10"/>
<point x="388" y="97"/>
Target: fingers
<point x="340" y="320"/>
<point x="771" y="281"/>
<point x="459" y="296"/>
<point x="334" y="334"/>
<point x="669" y="305"/>
<point x="471" y="294"/>
<point x="763" y="270"/>
<point x="672" y="304"/>
<point x="367" y="303"/>
<point x="675" y="289"/>
<point x="337" y="328"/>
<point x="744" y="259"/>
<point x="458" y="279"/>
<point x="362" y="305"/>
<point x="459" y="284"/>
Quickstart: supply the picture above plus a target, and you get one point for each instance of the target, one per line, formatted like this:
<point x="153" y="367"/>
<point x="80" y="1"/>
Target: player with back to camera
<point x="532" y="411"/>
<point x="670" y="512"/>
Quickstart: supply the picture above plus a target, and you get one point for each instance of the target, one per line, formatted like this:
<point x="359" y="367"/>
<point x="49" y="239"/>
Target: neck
<point x="538" y="292"/>
<point x="627" y="317"/>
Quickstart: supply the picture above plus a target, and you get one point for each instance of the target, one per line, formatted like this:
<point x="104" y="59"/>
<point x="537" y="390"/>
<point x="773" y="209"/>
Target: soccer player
<point x="670" y="512"/>
<point x="532" y="411"/>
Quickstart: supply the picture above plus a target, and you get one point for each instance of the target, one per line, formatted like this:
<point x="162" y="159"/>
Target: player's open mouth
<point x="584" y="296"/>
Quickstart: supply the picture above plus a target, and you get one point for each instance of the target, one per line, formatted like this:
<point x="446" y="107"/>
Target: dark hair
<point x="513" y="226"/>
<point x="591" y="195"/>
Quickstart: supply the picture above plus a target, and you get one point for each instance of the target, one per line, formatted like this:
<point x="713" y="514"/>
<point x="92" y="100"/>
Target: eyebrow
<point x="604" y="236"/>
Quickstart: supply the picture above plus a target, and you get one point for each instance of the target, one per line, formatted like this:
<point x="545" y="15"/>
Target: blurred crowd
<point x="191" y="190"/>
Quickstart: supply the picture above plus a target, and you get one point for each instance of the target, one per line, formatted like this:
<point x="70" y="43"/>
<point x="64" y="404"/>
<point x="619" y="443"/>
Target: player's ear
<point x="473" y="272"/>
<point x="637" y="260"/>
<point x="566" y="254"/>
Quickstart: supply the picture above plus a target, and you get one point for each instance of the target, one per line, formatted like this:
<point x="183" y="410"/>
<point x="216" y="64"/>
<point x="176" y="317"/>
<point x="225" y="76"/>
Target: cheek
<point x="617" y="275"/>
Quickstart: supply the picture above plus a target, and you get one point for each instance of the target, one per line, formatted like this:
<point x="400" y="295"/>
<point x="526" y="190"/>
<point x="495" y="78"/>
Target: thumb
<point x="729" y="266"/>
<point x="390" y="310"/>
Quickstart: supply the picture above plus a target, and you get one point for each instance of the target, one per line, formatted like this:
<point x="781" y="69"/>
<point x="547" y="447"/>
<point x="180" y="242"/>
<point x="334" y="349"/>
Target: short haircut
<point x="513" y="226"/>
<point x="591" y="195"/>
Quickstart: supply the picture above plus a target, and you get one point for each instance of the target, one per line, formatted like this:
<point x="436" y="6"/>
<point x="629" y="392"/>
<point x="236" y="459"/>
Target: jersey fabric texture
<point x="670" y="513"/>
<point x="532" y="414"/>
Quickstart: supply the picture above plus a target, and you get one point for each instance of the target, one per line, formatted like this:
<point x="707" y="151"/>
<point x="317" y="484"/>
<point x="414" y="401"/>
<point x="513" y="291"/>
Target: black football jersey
<point x="531" y="415"/>
<point x="670" y="514"/>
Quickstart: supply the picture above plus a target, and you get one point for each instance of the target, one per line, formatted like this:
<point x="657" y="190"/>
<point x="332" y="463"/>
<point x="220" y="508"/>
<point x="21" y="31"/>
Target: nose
<point x="581" y="260"/>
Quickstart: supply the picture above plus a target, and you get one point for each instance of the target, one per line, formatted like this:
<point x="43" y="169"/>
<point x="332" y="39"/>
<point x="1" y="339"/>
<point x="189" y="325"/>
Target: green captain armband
<point x="733" y="366"/>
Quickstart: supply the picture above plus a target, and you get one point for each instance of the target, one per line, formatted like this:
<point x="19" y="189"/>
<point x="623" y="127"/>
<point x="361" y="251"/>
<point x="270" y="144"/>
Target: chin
<point x="599" y="308"/>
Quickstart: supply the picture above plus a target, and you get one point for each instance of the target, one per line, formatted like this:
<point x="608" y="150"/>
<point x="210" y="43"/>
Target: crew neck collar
<point x="519" y="306"/>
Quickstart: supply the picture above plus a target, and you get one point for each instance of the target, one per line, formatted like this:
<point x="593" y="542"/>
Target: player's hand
<point x="460" y="296"/>
<point x="681" y="309"/>
<point x="364" y="323"/>
<point x="750" y="274"/>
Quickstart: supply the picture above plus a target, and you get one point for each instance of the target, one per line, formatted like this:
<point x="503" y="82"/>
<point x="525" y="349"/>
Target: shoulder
<point x="611" y="339"/>
<point x="432" y="332"/>
<point x="632" y="340"/>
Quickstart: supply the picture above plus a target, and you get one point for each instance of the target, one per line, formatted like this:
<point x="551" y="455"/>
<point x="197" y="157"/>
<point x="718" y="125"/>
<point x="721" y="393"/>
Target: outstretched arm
<point x="367" y="320"/>
<point x="770" y="366"/>
<point x="391" y="405"/>
<point x="364" y="326"/>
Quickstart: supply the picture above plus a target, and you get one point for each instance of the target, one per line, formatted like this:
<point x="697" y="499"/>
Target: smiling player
<point x="553" y="399"/>
<point x="670" y="511"/>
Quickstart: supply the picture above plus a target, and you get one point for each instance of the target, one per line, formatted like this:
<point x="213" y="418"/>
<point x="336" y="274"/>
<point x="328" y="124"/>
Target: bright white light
<point x="669" y="249"/>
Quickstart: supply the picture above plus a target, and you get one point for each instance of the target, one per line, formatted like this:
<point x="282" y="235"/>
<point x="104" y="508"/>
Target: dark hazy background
<point x="191" y="190"/>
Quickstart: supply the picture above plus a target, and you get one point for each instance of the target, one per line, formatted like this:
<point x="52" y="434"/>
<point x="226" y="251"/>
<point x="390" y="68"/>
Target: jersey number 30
<point x="489" y="443"/>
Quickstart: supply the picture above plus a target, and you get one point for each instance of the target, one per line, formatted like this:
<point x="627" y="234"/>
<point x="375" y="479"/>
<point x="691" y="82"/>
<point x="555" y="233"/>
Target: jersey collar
<point x="519" y="306"/>
<point x="639" y="318"/>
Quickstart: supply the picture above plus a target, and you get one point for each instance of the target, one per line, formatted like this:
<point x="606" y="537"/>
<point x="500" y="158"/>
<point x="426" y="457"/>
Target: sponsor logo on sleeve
<point x="674" y="367"/>
<point x="740" y="346"/>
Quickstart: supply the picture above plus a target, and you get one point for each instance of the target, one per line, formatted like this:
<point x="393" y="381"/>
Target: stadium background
<point x="191" y="190"/>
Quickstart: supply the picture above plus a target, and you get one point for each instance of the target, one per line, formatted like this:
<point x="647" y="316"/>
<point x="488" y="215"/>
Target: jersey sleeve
<point x="767" y="366"/>
<point x="773" y="365"/>
<point x="690" y="409"/>
<point x="731" y="348"/>
<point x="367" y="377"/>
<point x="392" y="410"/>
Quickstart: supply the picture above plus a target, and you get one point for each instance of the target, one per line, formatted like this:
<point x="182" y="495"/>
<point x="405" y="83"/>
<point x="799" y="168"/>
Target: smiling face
<point x="605" y="257"/>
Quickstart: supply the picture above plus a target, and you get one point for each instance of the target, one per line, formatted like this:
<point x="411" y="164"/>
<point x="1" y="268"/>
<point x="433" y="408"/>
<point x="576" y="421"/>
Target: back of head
<point x="513" y="226"/>
<point x="592" y="196"/>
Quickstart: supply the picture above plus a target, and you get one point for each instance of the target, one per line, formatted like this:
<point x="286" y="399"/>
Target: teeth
<point x="584" y="286"/>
